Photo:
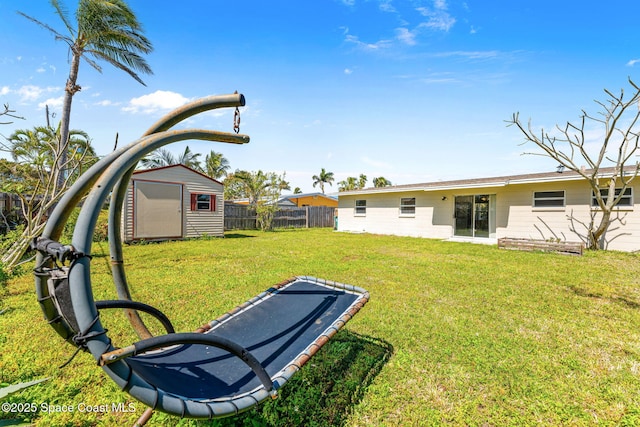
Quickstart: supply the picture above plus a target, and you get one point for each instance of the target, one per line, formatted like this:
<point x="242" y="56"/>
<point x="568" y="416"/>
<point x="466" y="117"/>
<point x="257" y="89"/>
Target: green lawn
<point x="454" y="333"/>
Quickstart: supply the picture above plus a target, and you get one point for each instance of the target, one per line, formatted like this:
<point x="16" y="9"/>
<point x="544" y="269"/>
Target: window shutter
<point x="213" y="202"/>
<point x="194" y="198"/>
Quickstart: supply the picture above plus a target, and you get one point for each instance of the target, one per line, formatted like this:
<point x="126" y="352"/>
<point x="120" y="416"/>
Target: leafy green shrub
<point x="4" y="277"/>
<point x="100" y="234"/>
<point x="6" y="240"/>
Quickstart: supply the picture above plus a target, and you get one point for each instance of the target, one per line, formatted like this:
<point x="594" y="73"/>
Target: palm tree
<point x="163" y="157"/>
<point x="362" y="180"/>
<point x="106" y="30"/>
<point x="38" y="146"/>
<point x="381" y="182"/>
<point x="322" y="179"/>
<point x="252" y="185"/>
<point x="189" y="159"/>
<point x="158" y="158"/>
<point x="216" y="165"/>
<point x="351" y="183"/>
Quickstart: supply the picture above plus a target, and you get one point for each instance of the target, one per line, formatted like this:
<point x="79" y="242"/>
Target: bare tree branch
<point x="619" y="145"/>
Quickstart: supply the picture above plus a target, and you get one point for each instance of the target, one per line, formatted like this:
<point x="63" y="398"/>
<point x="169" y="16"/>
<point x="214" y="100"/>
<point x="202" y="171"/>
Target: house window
<point x="408" y="206"/>
<point x="625" y="201"/>
<point x="548" y="199"/>
<point x="203" y="202"/>
<point x="361" y="208"/>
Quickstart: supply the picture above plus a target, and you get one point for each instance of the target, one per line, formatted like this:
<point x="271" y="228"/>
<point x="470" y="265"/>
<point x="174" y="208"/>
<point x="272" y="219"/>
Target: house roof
<point x="301" y="195"/>
<point x="141" y="171"/>
<point x="499" y="181"/>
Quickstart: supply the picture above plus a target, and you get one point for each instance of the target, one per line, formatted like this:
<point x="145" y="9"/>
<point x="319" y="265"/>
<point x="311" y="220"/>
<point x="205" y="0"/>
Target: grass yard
<point x="455" y="334"/>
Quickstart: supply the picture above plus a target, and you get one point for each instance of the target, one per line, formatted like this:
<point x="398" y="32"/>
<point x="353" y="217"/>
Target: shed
<point x="172" y="202"/>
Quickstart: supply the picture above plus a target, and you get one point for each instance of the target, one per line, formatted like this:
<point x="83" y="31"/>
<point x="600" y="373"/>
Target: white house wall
<point x="432" y="218"/>
<point x="195" y="223"/>
<point x="515" y="215"/>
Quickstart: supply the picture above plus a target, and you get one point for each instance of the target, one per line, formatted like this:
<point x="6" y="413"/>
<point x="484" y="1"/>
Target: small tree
<point x="569" y="146"/>
<point x="381" y="182"/>
<point x="216" y="165"/>
<point x="32" y="175"/>
<point x="163" y="157"/>
<point x="322" y="179"/>
<point x="261" y="188"/>
<point x="362" y="181"/>
<point x="351" y="183"/>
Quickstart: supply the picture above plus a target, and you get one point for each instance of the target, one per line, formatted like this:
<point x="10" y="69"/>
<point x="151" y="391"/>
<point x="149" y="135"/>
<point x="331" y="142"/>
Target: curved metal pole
<point x="195" y="107"/>
<point x="80" y="274"/>
<point x="164" y="320"/>
<point x="54" y="227"/>
<point x="192" y="338"/>
<point x="120" y="191"/>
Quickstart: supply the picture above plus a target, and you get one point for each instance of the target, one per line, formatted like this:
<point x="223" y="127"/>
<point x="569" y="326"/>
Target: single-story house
<point x="172" y="202"/>
<point x="554" y="205"/>
<point x="308" y="199"/>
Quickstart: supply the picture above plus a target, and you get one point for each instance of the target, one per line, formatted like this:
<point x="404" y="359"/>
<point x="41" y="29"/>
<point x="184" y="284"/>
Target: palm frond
<point x="62" y="12"/>
<point x="57" y="34"/>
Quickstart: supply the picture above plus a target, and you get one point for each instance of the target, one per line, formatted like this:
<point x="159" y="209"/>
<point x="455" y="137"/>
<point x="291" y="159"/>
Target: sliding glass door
<point x="473" y="216"/>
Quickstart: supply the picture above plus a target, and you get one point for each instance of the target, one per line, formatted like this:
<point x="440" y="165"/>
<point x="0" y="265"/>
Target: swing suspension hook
<point x="236" y="121"/>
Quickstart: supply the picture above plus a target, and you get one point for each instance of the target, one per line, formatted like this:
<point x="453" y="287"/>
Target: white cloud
<point x="477" y="54"/>
<point x="52" y="102"/>
<point x="440" y="4"/>
<point x="348" y="71"/>
<point x="632" y="62"/>
<point x="386" y="6"/>
<point x="31" y="93"/>
<point x="160" y="100"/>
<point x="406" y="36"/>
<point x="438" y="17"/>
<point x="46" y="67"/>
<point x="4" y="90"/>
<point x="381" y="44"/>
<point x="106" y="103"/>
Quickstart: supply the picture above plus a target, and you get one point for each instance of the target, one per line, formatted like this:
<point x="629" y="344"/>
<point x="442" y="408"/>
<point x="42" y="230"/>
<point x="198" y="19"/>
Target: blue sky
<point x="411" y="90"/>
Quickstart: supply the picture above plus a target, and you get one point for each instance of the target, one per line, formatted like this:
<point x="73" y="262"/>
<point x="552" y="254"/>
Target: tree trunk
<point x="65" y="120"/>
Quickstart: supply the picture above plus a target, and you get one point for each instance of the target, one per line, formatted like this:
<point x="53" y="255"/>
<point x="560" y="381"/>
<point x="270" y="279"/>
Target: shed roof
<point x="142" y="171"/>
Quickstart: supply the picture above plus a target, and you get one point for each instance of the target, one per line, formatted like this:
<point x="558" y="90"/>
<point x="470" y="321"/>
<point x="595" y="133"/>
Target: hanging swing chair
<point x="226" y="366"/>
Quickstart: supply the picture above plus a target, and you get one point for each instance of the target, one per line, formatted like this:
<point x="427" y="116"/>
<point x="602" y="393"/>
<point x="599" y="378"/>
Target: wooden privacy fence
<point x="242" y="217"/>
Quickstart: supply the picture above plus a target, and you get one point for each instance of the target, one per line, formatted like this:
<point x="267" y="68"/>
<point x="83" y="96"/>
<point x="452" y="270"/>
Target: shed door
<point x="157" y="210"/>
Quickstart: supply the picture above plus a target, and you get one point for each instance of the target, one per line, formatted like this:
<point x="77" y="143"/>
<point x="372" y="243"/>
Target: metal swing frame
<point x="65" y="296"/>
